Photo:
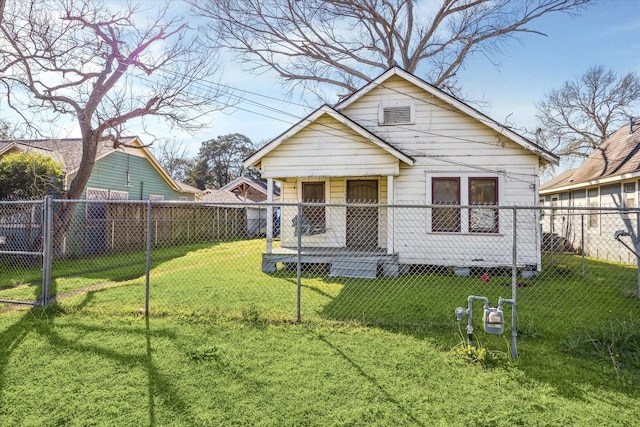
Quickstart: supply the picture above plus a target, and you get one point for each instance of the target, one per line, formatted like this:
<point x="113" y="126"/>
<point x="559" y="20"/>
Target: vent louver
<point x="396" y="115"/>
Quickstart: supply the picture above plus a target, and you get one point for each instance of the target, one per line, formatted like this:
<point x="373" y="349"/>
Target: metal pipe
<point x="47" y="249"/>
<point x="470" y="301"/>
<point x="582" y="244"/>
<point x="514" y="323"/>
<point x="621" y="233"/>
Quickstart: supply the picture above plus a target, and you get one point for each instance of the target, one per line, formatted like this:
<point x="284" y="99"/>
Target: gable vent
<point x="396" y="115"/>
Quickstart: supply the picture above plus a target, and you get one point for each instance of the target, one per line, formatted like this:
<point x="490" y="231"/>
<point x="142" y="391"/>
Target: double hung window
<point x="453" y="192"/>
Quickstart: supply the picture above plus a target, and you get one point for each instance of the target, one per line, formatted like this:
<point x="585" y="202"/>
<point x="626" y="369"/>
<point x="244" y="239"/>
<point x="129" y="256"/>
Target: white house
<point x="402" y="141"/>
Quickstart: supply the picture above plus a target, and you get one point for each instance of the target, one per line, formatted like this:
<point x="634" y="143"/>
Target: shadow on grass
<point x="117" y="267"/>
<point x="43" y="322"/>
<point x="372" y="380"/>
<point x="551" y="310"/>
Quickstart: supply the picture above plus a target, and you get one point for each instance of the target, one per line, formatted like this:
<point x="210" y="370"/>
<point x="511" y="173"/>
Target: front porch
<point x="343" y="262"/>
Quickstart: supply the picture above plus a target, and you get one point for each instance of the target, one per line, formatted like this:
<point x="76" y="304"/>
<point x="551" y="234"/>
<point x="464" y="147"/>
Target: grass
<point x="221" y="347"/>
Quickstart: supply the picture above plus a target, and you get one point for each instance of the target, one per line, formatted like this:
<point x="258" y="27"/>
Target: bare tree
<point x="80" y="59"/>
<point x="341" y="43"/>
<point x="9" y="130"/>
<point x="102" y="68"/>
<point x="172" y="155"/>
<point x="584" y="112"/>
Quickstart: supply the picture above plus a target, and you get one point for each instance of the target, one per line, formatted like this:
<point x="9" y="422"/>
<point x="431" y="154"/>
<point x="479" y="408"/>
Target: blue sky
<point x="606" y="33"/>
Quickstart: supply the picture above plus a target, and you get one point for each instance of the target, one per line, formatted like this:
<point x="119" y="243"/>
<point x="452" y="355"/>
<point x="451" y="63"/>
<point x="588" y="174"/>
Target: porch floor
<point x="344" y="262"/>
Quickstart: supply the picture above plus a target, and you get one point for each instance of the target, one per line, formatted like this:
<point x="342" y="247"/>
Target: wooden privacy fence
<point x="109" y="226"/>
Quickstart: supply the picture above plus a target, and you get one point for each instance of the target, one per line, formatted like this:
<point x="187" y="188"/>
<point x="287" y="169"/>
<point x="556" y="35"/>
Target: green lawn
<point x="221" y="347"/>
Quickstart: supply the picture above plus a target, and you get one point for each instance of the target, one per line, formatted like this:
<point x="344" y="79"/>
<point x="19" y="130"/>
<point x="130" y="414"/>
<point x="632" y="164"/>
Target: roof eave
<point x="585" y="184"/>
<point x="255" y="159"/>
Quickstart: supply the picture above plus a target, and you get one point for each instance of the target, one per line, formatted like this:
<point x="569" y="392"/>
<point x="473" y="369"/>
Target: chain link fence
<point x="405" y="266"/>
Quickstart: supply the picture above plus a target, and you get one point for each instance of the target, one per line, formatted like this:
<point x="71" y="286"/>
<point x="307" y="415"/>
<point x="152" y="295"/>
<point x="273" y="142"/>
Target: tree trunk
<point x="64" y="214"/>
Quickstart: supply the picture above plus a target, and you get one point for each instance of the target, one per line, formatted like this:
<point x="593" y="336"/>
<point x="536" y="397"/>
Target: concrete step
<point x="354" y="267"/>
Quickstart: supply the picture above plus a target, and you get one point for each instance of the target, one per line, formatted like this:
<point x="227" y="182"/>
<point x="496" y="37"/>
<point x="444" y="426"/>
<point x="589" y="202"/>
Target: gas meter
<point x="493" y="320"/>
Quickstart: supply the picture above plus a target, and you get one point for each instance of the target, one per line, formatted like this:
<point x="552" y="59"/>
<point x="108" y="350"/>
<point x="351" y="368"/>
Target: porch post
<point x="269" y="214"/>
<point x="391" y="200"/>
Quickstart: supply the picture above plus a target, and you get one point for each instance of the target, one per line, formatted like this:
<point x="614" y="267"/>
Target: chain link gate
<point x="26" y="229"/>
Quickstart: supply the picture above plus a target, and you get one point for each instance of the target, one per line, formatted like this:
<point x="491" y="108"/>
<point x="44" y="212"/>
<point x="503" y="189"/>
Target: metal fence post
<point x="148" y="260"/>
<point x="582" y="243"/>
<point x="299" y="262"/>
<point x="514" y="287"/>
<point x="635" y="245"/>
<point x="47" y="248"/>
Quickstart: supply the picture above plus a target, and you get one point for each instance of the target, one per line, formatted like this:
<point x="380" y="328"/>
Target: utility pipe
<point x="469" y="313"/>
<point x="514" y="323"/>
<point x="623" y="233"/>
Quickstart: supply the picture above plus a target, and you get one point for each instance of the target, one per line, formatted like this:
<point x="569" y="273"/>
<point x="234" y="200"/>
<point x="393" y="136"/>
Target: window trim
<point x="464" y="176"/>
<point x="458" y="222"/>
<point x="593" y="217"/>
<point x="124" y="194"/>
<point x="94" y="189"/>
<point x="327" y="189"/>
<point x="496" y="212"/>
<point x="632" y="194"/>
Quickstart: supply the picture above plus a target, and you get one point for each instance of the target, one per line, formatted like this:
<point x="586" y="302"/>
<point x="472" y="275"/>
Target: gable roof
<point x="221" y="195"/>
<point x="559" y="181"/>
<point x="243" y="180"/>
<point x="68" y="152"/>
<point x="545" y="155"/>
<point x="615" y="159"/>
<point x="254" y="159"/>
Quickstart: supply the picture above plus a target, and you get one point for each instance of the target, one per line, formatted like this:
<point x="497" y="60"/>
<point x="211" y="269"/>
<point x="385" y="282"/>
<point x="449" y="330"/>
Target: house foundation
<point x="343" y="262"/>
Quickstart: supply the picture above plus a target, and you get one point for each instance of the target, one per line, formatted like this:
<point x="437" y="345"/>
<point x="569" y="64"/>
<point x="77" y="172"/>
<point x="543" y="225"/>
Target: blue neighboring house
<point x="129" y="172"/>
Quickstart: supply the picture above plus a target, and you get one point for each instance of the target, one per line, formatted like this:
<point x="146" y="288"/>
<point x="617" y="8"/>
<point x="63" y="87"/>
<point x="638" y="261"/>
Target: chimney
<point x="630" y="125"/>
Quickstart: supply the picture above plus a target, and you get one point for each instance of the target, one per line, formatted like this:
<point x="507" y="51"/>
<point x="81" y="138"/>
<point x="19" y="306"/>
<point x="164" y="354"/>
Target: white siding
<point x="597" y="241"/>
<point x="328" y="148"/>
<point x="441" y="140"/>
<point x="335" y="235"/>
<point x="444" y="141"/>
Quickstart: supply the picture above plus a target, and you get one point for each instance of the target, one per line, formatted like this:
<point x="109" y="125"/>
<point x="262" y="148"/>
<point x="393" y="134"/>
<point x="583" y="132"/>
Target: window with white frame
<point x="629" y="194"/>
<point x="156" y="197"/>
<point x="396" y="113"/>
<point x="97" y="194"/>
<point x="593" y="201"/>
<point x="481" y="191"/>
<point x="118" y="195"/>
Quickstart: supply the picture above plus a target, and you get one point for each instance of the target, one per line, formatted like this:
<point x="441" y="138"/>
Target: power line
<point x="206" y="85"/>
